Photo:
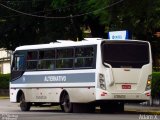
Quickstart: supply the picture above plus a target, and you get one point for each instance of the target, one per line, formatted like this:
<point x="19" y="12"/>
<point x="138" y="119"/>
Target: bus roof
<point x="67" y="43"/>
<point x="59" y="43"/>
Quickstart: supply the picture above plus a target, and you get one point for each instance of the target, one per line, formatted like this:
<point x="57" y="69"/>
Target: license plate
<point x="126" y="86"/>
<point x="119" y="96"/>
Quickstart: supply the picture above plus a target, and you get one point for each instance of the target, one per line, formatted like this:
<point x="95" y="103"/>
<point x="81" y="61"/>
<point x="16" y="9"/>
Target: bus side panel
<point x="81" y="95"/>
<point x="42" y="94"/>
<point x="53" y="94"/>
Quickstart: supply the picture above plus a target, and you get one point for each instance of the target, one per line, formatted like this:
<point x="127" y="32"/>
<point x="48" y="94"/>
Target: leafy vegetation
<point x="156" y="84"/>
<point x="140" y="18"/>
<point x="4" y="81"/>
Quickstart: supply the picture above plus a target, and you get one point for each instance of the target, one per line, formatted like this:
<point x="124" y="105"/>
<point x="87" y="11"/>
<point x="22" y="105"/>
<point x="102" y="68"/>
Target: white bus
<point x="81" y="75"/>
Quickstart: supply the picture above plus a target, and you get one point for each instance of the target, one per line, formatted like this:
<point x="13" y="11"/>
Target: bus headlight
<point x="102" y="83"/>
<point x="148" y="86"/>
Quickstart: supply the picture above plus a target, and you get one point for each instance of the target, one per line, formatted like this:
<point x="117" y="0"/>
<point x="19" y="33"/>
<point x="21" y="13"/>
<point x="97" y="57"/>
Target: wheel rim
<point x="67" y="105"/>
<point x="66" y="101"/>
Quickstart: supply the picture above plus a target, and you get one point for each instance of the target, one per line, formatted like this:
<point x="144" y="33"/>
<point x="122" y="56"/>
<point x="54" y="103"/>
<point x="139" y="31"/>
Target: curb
<point x="150" y="112"/>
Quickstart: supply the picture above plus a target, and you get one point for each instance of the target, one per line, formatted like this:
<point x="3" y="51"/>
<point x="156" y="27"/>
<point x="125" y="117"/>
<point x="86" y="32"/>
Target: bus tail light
<point x="103" y="94"/>
<point x="102" y="83"/>
<point x="148" y="86"/>
<point x="148" y="94"/>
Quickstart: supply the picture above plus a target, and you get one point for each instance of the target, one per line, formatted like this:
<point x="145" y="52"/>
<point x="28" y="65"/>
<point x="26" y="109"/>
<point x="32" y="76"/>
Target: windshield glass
<point x="125" y="54"/>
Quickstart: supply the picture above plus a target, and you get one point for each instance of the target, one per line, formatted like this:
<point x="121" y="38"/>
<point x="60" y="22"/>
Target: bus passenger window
<point x="64" y="64"/>
<point x="32" y="55"/>
<point x="46" y="64"/>
<point x="32" y="58"/>
<point x="46" y="60"/>
<point x="31" y="65"/>
<point x="84" y="57"/>
<point x="46" y="54"/>
<point x="88" y="62"/>
<point x="64" y="58"/>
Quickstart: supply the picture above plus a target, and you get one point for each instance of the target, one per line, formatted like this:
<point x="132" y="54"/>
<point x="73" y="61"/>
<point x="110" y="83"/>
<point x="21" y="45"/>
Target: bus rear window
<point x="125" y="54"/>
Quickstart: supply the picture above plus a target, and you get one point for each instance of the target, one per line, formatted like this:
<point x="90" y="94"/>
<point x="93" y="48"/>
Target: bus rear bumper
<point x="103" y="95"/>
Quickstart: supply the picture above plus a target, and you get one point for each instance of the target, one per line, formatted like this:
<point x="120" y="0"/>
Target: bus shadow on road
<point x="50" y="110"/>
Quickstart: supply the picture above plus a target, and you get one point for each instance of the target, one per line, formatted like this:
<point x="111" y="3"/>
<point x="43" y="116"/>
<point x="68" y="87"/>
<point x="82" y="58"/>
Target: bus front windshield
<point x="125" y="54"/>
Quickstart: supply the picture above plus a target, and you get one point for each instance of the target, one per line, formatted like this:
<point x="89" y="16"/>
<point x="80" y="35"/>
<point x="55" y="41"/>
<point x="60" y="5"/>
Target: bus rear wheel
<point x="66" y="105"/>
<point x="25" y="106"/>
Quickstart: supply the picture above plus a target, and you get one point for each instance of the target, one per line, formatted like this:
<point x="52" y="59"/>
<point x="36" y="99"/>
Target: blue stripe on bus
<point x="56" y="78"/>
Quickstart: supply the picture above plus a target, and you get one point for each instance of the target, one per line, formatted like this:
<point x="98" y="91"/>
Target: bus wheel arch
<point x="25" y="106"/>
<point x="65" y="103"/>
<point x="19" y="94"/>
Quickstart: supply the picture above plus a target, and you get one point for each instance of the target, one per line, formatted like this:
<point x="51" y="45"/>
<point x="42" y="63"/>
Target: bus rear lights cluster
<point x="103" y="94"/>
<point x="148" y="94"/>
<point x="102" y="82"/>
<point x="148" y="85"/>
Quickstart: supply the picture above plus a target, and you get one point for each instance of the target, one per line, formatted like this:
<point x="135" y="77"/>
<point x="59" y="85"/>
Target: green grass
<point x="4" y="97"/>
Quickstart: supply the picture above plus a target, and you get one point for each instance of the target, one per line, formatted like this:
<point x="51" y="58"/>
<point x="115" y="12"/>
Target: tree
<point x="19" y="29"/>
<point x="82" y="12"/>
<point x="141" y="18"/>
<point x="69" y="8"/>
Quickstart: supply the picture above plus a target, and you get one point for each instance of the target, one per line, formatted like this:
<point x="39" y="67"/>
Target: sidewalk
<point x="142" y="109"/>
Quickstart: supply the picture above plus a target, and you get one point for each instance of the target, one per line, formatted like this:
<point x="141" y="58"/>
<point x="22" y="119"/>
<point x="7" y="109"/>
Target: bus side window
<point x="46" y="60"/>
<point x="64" y="58"/>
<point x="84" y="57"/>
<point x="32" y="58"/>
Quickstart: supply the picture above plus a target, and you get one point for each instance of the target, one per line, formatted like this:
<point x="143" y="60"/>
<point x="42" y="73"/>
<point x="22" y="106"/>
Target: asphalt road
<point x="11" y="111"/>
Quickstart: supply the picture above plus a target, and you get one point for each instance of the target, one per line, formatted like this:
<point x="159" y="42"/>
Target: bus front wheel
<point x="25" y="106"/>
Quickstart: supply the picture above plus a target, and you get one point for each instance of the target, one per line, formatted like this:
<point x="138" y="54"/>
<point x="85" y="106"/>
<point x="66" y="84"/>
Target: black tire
<point x="25" y="106"/>
<point x="66" y="105"/>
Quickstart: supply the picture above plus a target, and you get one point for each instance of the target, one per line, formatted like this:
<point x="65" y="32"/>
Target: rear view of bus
<point x="125" y="75"/>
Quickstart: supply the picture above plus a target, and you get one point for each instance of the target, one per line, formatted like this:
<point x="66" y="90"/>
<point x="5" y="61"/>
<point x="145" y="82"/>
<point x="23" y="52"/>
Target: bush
<point x="4" y="81"/>
<point x="155" y="84"/>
